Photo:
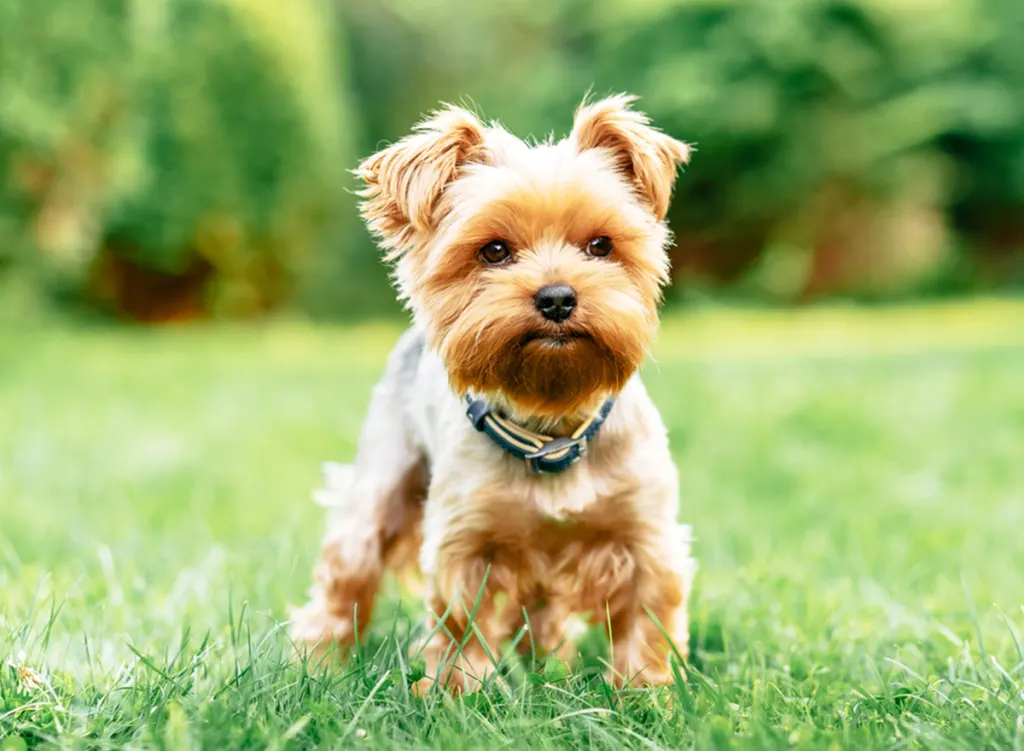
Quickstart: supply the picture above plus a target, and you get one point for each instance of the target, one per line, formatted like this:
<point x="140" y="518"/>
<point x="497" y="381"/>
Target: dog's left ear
<point x="648" y="157"/>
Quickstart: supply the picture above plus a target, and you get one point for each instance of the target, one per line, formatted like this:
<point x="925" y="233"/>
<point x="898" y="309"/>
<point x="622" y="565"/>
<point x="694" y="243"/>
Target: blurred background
<point x="170" y="160"/>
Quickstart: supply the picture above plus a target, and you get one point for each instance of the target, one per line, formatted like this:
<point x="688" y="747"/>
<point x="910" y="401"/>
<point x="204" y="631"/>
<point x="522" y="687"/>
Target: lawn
<point x="855" y="479"/>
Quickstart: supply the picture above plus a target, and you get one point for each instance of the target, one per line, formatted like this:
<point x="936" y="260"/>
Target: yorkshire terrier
<point x="510" y="448"/>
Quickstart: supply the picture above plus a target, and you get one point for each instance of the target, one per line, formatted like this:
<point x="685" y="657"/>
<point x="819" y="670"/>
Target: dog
<point x="510" y="449"/>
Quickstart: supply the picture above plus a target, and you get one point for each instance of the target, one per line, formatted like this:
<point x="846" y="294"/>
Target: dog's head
<point x="536" y="270"/>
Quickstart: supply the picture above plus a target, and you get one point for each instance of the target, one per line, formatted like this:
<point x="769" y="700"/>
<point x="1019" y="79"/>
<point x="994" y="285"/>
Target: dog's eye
<point x="599" y="246"/>
<point x="495" y="253"/>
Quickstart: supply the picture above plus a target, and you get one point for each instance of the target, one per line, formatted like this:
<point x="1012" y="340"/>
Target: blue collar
<point x="542" y="453"/>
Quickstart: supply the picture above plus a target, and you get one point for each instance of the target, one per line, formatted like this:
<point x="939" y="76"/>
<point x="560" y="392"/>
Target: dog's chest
<point x="565" y="511"/>
<point x="567" y="500"/>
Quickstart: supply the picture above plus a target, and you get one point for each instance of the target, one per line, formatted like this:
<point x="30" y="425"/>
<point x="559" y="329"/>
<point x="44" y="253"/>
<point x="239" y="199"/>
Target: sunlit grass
<point x="855" y="479"/>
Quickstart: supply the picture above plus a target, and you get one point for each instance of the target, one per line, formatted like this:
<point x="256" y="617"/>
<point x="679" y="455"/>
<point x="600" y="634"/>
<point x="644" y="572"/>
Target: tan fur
<point x="600" y="539"/>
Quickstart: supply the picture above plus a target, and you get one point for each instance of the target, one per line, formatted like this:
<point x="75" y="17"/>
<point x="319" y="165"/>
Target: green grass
<point x="855" y="480"/>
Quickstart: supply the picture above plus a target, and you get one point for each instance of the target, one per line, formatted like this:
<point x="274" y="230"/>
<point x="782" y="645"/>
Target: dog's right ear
<point x="642" y="153"/>
<point x="404" y="182"/>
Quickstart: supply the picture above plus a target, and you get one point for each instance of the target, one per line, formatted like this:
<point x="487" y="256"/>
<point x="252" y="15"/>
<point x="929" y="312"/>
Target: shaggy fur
<point x="600" y="539"/>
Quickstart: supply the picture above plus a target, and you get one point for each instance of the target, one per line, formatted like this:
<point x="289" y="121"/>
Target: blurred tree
<point x="62" y="128"/>
<point x="173" y="158"/>
<point x="820" y="128"/>
<point x="988" y="143"/>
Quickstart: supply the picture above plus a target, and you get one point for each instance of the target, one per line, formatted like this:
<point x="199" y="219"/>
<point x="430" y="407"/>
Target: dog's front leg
<point x="652" y="626"/>
<point x="476" y="585"/>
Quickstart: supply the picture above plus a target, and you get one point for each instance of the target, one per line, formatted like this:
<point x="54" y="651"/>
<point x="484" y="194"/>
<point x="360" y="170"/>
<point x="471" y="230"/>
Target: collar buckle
<point x="554" y="446"/>
<point x="576" y="448"/>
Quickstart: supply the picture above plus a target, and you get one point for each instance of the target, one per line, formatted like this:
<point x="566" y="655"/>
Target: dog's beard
<point x="558" y="374"/>
<point x="544" y="370"/>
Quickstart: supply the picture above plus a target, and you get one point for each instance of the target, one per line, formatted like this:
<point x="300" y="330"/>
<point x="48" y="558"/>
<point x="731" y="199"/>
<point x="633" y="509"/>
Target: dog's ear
<point x="644" y="154"/>
<point x="404" y="182"/>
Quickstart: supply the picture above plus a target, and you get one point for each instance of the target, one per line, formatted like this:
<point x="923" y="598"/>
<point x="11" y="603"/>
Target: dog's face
<point x="536" y="270"/>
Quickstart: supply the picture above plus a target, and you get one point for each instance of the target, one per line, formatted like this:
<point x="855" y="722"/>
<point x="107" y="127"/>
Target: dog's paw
<point x="316" y="632"/>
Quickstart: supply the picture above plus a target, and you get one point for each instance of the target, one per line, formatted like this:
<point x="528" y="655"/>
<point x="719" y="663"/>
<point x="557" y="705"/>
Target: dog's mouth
<point x="555" y="338"/>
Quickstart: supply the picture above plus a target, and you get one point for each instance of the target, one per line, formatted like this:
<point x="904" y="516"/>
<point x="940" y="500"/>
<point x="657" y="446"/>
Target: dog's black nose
<point x="555" y="301"/>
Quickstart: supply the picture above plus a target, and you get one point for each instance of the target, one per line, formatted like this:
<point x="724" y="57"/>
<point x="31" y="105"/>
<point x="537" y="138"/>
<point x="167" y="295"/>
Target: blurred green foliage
<point x="170" y="156"/>
<point x="174" y="155"/>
